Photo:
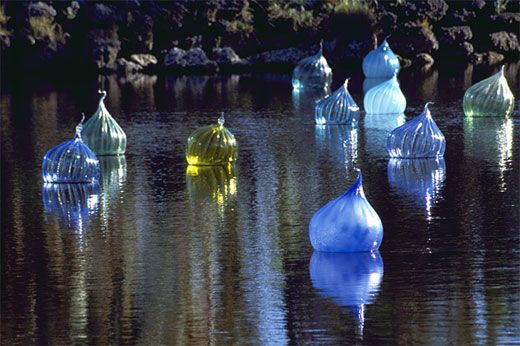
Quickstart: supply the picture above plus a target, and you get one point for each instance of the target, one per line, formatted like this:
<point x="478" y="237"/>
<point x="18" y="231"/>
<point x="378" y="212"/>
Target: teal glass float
<point x="312" y="72"/>
<point x="102" y="133"/>
<point x="71" y="162"/>
<point x="369" y="83"/>
<point x="381" y="62"/>
<point x="385" y="98"/>
<point x="337" y="108"/>
<point x="418" y="138"/>
<point x="347" y="223"/>
<point x="490" y="97"/>
<point x="212" y="145"/>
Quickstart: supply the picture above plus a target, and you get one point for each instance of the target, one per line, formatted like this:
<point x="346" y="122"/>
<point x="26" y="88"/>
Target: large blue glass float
<point x="369" y="83"/>
<point x="381" y="62"/>
<point x="385" y="98"/>
<point x="312" y="72"/>
<point x="418" y="138"/>
<point x="337" y="108"/>
<point x="347" y="223"/>
<point x="71" y="162"/>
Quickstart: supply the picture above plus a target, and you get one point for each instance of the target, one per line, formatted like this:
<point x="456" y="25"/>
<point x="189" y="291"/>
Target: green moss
<point x="243" y="21"/>
<point x="348" y="7"/>
<point x="292" y="12"/>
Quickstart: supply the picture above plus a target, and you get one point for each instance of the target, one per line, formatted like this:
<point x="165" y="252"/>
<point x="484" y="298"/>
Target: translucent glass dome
<point x="312" y="72"/>
<point x="337" y="108"/>
<point x="71" y="162"/>
<point x="385" y="98"/>
<point x="381" y="62"/>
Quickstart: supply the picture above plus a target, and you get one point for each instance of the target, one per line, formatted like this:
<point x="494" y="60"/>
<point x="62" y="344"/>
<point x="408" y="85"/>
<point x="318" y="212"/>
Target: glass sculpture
<point x="418" y="138"/>
<point x="347" y="224"/>
<point x="381" y="62"/>
<point x="369" y="83"/>
<point x="313" y="71"/>
<point x="385" y="98"/>
<point x="212" y="145"/>
<point x="490" y="97"/>
<point x="102" y="133"/>
<point x="337" y="108"/>
<point x="71" y="162"/>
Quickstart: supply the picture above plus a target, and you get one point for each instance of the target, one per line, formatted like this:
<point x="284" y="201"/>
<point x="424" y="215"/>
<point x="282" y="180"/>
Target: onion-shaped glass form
<point x="71" y="162"/>
<point x="102" y="133"/>
<point x="381" y="62"/>
<point x="347" y="224"/>
<point x="490" y="97"/>
<point x="212" y="145"/>
<point x="418" y="138"/>
<point x="337" y="108"/>
<point x="312" y="72"/>
<point x="369" y="83"/>
<point x="385" y="98"/>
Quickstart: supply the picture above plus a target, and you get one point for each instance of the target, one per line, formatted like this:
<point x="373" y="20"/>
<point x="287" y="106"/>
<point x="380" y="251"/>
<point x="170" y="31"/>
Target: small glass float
<point x="347" y="223"/>
<point x="385" y="98"/>
<point x="490" y="97"/>
<point x="102" y="133"/>
<point x="71" y="162"/>
<point x="337" y="108"/>
<point x="418" y="138"/>
<point x="212" y="145"/>
<point x="381" y="62"/>
<point x="313" y="71"/>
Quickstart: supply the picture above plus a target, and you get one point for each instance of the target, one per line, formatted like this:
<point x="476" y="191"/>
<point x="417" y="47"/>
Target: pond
<point x="166" y="254"/>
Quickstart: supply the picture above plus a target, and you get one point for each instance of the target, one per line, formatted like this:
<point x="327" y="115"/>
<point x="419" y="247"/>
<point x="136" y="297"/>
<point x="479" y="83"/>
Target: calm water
<point x="162" y="254"/>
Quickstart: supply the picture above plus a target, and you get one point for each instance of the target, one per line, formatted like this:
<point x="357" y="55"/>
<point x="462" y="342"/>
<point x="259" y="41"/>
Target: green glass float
<point x="102" y="133"/>
<point x="212" y="145"/>
<point x="490" y="97"/>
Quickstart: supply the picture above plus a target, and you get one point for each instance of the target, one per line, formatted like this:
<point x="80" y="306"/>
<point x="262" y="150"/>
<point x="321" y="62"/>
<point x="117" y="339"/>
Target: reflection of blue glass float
<point x="304" y="101"/>
<point x="347" y="223"/>
<point x="419" y="177"/>
<point x="369" y="83"/>
<point x="381" y="62"/>
<point x="313" y="72"/>
<point x="418" y="138"/>
<point x="71" y="162"/>
<point x="337" y="108"/>
<point x="385" y="98"/>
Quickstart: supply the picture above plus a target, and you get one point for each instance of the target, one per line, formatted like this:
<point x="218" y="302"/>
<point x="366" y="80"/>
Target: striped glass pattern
<point x="212" y="145"/>
<point x="71" y="162"/>
<point x="312" y="72"/>
<point x="381" y="62"/>
<point x="102" y="133"/>
<point x="418" y="138"/>
<point x="369" y="83"/>
<point x="385" y="98"/>
<point x="490" y="97"/>
<point x="337" y="108"/>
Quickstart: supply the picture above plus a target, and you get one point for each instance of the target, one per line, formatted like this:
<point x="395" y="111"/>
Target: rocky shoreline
<point x="186" y="36"/>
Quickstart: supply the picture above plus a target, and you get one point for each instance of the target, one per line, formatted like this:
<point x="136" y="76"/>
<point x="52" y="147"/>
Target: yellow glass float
<point x="212" y="145"/>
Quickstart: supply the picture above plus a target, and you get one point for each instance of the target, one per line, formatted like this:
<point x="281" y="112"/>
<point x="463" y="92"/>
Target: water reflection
<point x="113" y="177"/>
<point x="369" y="83"/>
<point x="340" y="142"/>
<point x="304" y="101"/>
<point x="377" y="128"/>
<point x="217" y="182"/>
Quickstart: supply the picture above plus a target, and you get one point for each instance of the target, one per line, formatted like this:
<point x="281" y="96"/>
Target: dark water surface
<point x="165" y="254"/>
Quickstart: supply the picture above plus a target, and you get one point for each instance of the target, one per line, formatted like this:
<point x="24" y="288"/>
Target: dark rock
<point x="286" y="56"/>
<point x="488" y="58"/>
<point x="412" y="39"/>
<point x="454" y="35"/>
<point x="341" y="51"/>
<point x="41" y="9"/>
<point x="424" y="59"/>
<point x="506" y="21"/>
<point x="504" y="42"/>
<point x="404" y="61"/>
<point x="137" y="31"/>
<point x="431" y="10"/>
<point x="103" y="48"/>
<point x="5" y="40"/>
<point x="97" y="14"/>
<point x="127" y="67"/>
<point x="227" y="57"/>
<point x="71" y="11"/>
<point x="194" y="58"/>
<point x="386" y="21"/>
<point x="144" y="60"/>
<point x="459" y="17"/>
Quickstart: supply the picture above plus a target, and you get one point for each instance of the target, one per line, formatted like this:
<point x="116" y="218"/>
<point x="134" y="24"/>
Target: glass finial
<point x="221" y="119"/>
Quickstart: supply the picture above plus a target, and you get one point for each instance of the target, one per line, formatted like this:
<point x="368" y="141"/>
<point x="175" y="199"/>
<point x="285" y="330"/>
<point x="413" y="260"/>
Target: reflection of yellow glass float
<point x="212" y="145"/>
<point x="219" y="182"/>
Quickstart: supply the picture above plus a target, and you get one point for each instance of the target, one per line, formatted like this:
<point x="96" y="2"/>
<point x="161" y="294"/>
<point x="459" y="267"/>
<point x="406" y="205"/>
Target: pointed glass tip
<point x="79" y="127"/>
<point x="502" y="71"/>
<point x="221" y="119"/>
<point x="103" y="94"/>
<point x="320" y="51"/>
<point x="345" y="84"/>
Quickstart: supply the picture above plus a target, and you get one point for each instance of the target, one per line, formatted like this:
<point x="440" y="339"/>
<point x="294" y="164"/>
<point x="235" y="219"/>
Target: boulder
<point x="454" y="35"/>
<point x="424" y="59"/>
<point x="508" y="21"/>
<point x="127" y="67"/>
<point x="459" y="17"/>
<point x="227" y="57"/>
<point x="193" y="59"/>
<point x="41" y="9"/>
<point x="405" y="62"/>
<point x="144" y="60"/>
<point x="102" y="49"/>
<point x="413" y="39"/>
<point x="504" y="42"/>
<point x="488" y="58"/>
<point x="286" y="56"/>
<point x="431" y="10"/>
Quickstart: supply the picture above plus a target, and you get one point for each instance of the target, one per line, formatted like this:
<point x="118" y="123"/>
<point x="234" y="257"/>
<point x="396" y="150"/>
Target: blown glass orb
<point x="71" y="162"/>
<point x="369" y="83"/>
<point x="337" y="108"/>
<point x="212" y="145"/>
<point x="385" y="98"/>
<point x="418" y="138"/>
<point x="102" y="133"/>
<point x="347" y="224"/>
<point x="313" y="71"/>
<point x="381" y="62"/>
<point x="490" y="97"/>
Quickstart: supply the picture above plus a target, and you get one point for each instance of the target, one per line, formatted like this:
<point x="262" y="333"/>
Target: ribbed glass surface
<point x="418" y="138"/>
<point x="347" y="224"/>
<point x="71" y="162"/>
<point x="212" y="145"/>
<point x="337" y="108"/>
<point x="313" y="71"/>
<point x="490" y="97"/>
<point x="381" y="62"/>
<point x="369" y="83"/>
<point x="102" y="133"/>
<point x="385" y="98"/>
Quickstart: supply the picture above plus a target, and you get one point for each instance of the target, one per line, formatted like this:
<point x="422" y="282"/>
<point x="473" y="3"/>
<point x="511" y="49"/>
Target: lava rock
<point x="413" y="39"/>
<point x="193" y="59"/>
<point x="459" y="17"/>
<point x="405" y="62"/>
<point x="286" y="56"/>
<point x="488" y="58"/>
<point x="102" y="49"/>
<point x="41" y="9"/>
<point x="454" y="35"/>
<point x="127" y="67"/>
<point x="506" y="21"/>
<point x="424" y="59"/>
<point x="144" y="60"/>
<point x="504" y="42"/>
<point x="226" y="56"/>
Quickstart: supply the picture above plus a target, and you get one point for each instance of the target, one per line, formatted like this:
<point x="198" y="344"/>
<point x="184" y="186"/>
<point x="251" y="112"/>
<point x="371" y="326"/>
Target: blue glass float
<point x="381" y="62"/>
<point x="369" y="83"/>
<point x="312" y="72"/>
<point x="385" y="98"/>
<point x="418" y="138"/>
<point x="71" y="162"/>
<point x="347" y="223"/>
<point x="337" y="108"/>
